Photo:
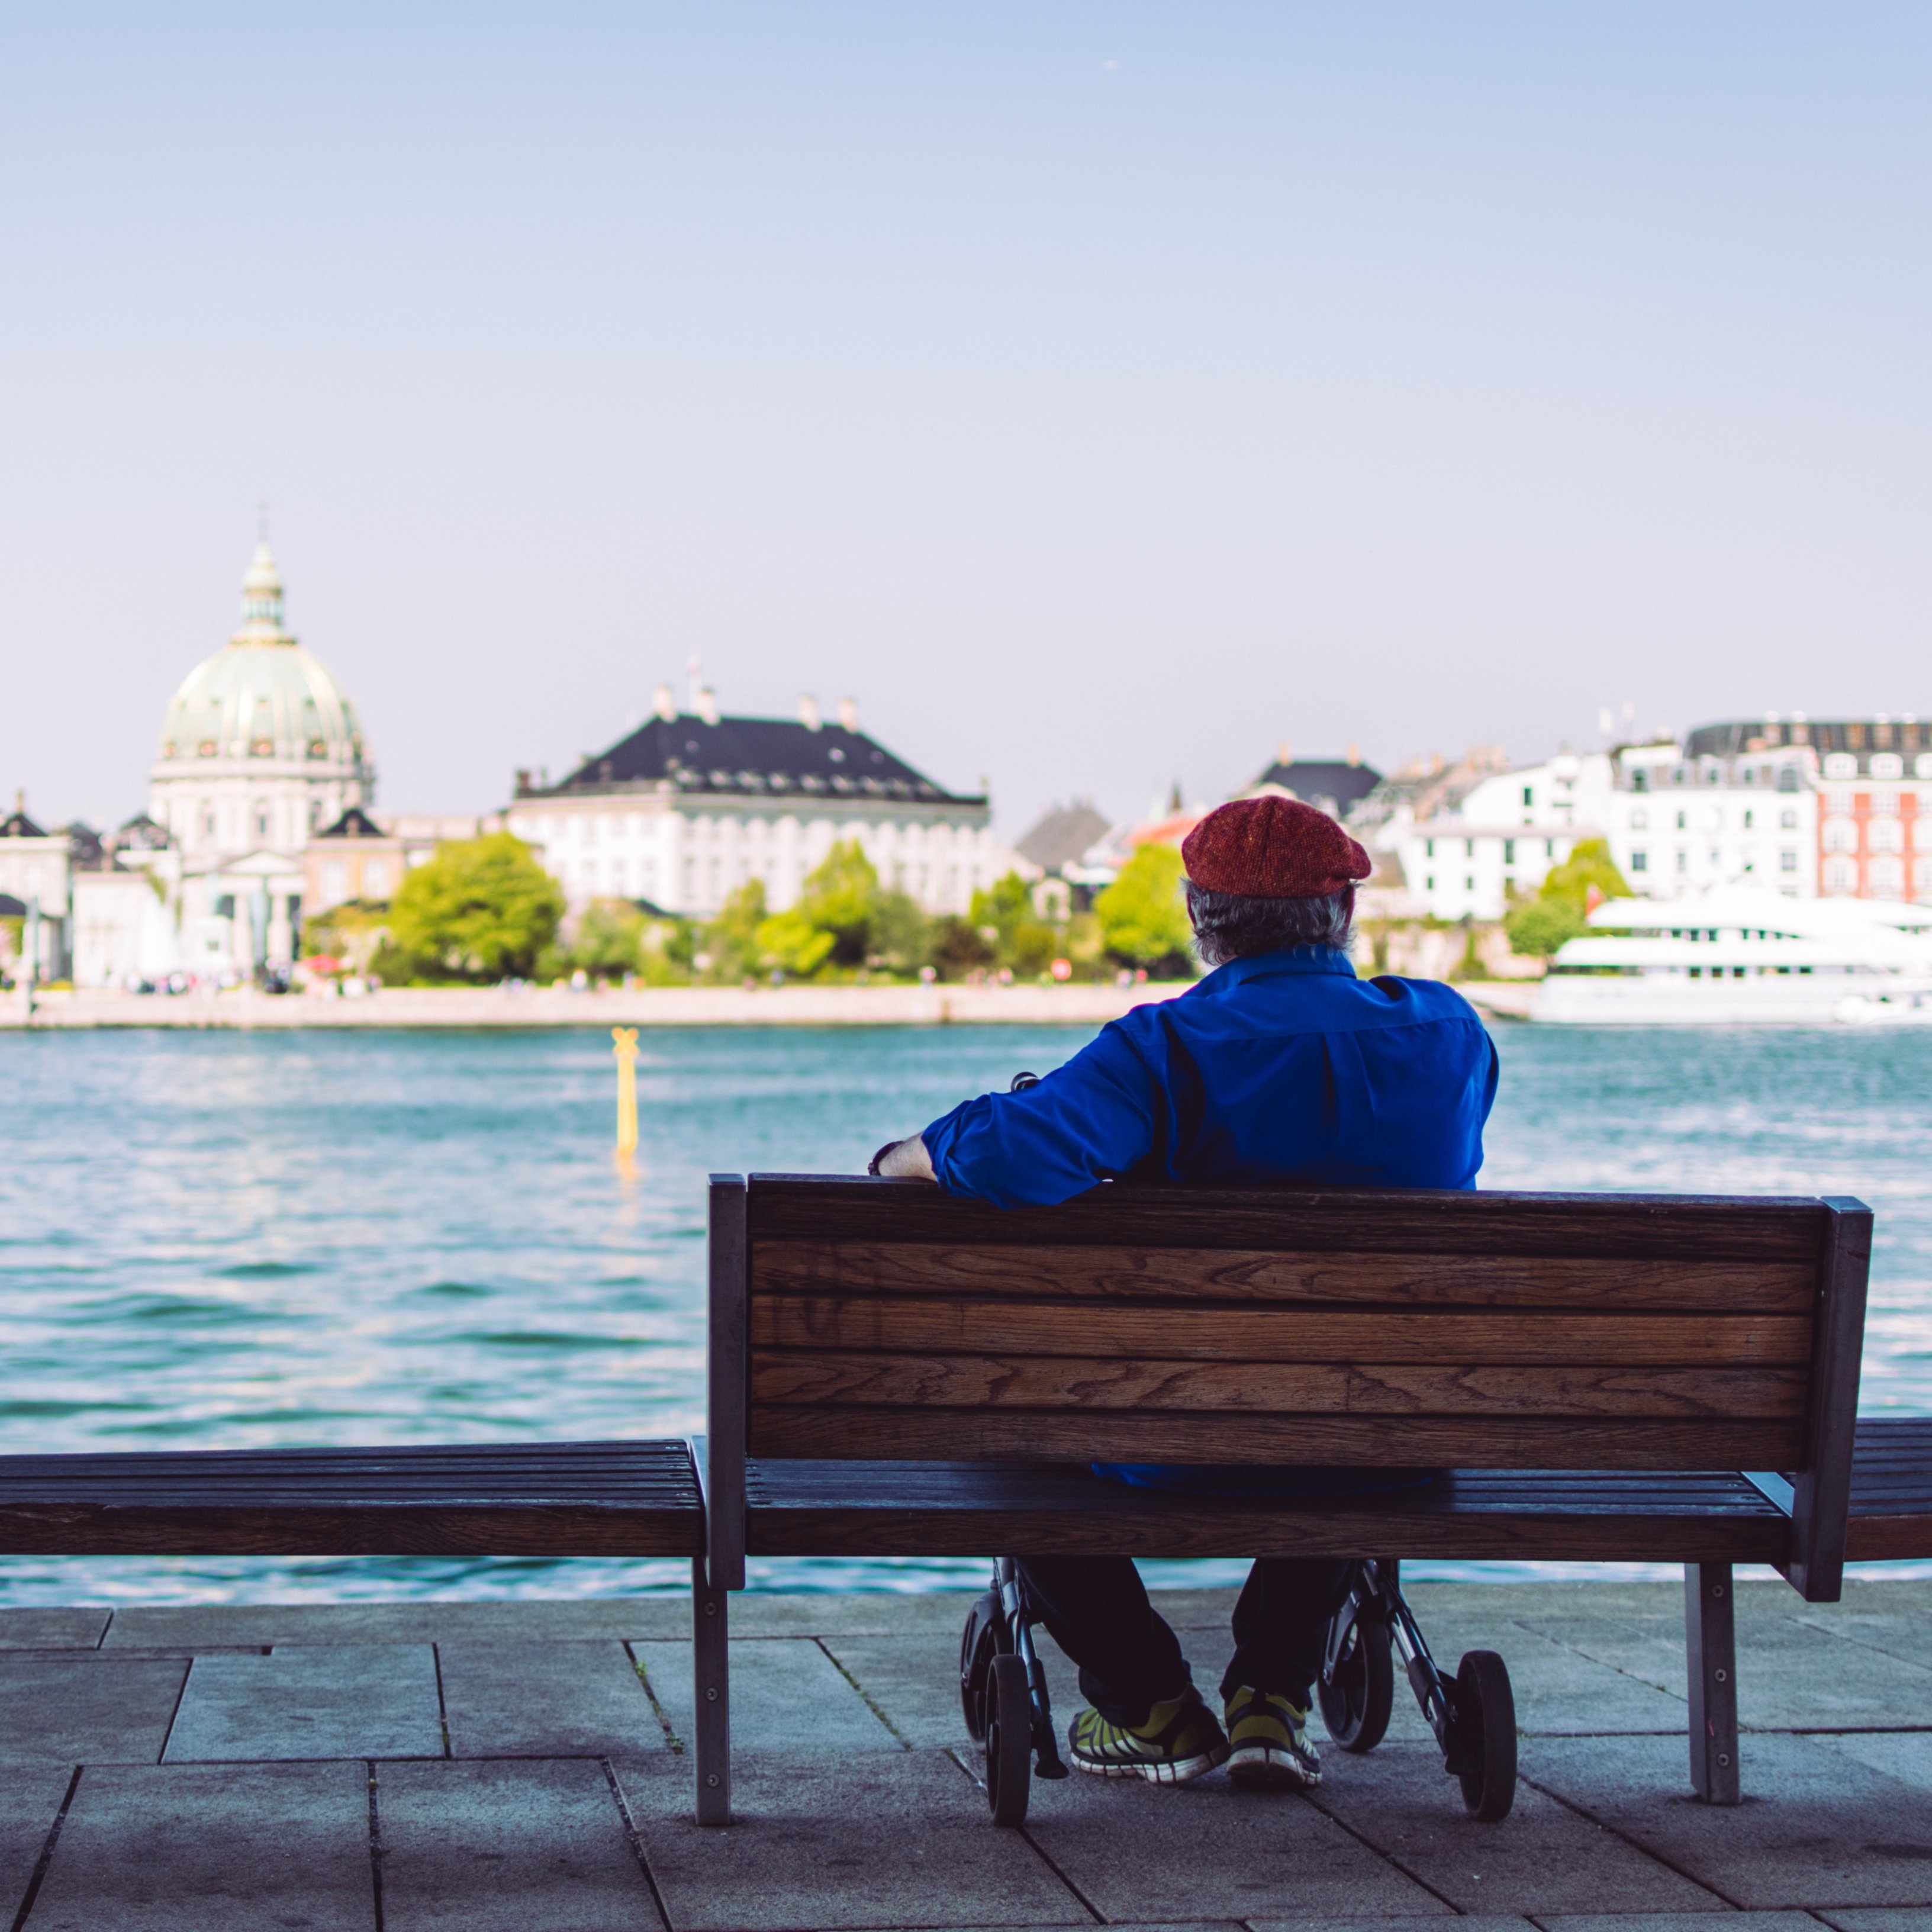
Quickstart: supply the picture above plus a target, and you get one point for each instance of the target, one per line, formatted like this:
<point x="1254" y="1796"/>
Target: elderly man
<point x="1279" y="1066"/>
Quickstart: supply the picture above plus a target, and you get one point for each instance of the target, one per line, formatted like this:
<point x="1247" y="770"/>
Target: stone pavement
<point x="520" y="1767"/>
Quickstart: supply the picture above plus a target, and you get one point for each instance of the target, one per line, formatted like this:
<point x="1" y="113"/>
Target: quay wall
<point x="451" y="1006"/>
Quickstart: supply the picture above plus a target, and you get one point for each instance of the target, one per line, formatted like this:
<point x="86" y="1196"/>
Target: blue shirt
<point x="1283" y="1067"/>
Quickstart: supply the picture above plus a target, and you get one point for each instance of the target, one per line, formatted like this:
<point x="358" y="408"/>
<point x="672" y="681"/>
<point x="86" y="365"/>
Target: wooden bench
<point x="893" y="1372"/>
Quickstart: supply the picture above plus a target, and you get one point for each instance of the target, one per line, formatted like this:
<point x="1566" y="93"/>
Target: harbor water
<point x="233" y="1240"/>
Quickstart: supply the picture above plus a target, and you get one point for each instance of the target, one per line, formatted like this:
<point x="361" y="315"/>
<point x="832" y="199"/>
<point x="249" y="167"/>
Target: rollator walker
<point x="1010" y="1716"/>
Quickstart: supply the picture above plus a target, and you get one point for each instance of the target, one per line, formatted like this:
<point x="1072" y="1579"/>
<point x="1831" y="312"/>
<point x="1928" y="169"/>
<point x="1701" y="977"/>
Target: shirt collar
<point x="1294" y="959"/>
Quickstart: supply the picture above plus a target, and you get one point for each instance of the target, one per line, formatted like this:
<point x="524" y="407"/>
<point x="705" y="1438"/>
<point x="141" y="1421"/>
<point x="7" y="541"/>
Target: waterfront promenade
<point x="461" y="1006"/>
<point x="519" y="1766"/>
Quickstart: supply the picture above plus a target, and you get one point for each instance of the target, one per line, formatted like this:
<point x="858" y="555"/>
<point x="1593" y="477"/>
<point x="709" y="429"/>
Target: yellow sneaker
<point x="1180" y="1741"/>
<point x="1268" y="1741"/>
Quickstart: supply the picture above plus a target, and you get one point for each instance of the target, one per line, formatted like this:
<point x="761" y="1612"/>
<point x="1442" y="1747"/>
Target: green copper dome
<point x="262" y="696"/>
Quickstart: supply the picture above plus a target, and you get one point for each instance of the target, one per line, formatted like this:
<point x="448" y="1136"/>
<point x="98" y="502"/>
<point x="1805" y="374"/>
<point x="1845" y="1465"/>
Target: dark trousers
<point x="1096" y="1609"/>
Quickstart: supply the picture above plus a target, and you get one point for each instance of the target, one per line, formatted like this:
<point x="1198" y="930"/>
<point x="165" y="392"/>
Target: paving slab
<point x="787" y="1694"/>
<point x="1673" y="1921"/>
<point x="30" y="1801"/>
<point x="1896" y="1623"/>
<point x="531" y="1846"/>
<point x="1212" y="1848"/>
<point x="212" y="1848"/>
<point x="196" y="1627"/>
<point x="1904" y="1755"/>
<point x="914" y="1682"/>
<point x="820" y="1613"/>
<point x="1880" y="1919"/>
<point x="873" y="1841"/>
<point x="59" y="1707"/>
<point x="542" y="1699"/>
<point x="1474" y="1922"/>
<point x="1817" y="1828"/>
<point x="53" y="1628"/>
<point x="312" y="1701"/>
<point x="1542" y="1859"/>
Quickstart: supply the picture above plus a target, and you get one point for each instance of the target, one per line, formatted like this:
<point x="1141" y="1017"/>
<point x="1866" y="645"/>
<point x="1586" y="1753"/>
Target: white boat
<point x="1738" y="956"/>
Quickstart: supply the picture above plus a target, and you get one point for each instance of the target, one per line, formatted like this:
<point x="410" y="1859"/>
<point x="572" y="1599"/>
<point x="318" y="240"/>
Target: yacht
<point x="1740" y="955"/>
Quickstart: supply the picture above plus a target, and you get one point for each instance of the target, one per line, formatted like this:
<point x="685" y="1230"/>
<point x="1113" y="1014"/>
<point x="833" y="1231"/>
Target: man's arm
<point x="1096" y="1117"/>
<point x="903" y="1160"/>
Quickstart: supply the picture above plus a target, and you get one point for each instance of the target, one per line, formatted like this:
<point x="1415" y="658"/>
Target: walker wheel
<point x="1356" y="1702"/>
<point x="1009" y="1741"/>
<point x="1486" y="1719"/>
<point x="977" y="1643"/>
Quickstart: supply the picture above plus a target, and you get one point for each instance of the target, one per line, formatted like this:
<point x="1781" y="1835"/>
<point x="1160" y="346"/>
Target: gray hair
<point x="1231" y="925"/>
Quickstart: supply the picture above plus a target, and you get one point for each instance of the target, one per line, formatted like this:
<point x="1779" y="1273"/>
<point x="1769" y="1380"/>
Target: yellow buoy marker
<point x="625" y="1046"/>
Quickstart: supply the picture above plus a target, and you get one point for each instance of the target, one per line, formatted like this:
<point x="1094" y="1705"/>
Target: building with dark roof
<point x="692" y="805"/>
<point x="1334" y="785"/>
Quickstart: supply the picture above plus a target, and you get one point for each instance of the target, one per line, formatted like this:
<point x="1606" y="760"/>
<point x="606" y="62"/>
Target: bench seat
<point x="1891" y="1490"/>
<point x="810" y="1508"/>
<point x="483" y="1499"/>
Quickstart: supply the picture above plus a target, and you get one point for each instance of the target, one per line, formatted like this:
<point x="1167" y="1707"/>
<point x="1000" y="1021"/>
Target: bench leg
<point x="1711" y="1654"/>
<point x="711" y="1687"/>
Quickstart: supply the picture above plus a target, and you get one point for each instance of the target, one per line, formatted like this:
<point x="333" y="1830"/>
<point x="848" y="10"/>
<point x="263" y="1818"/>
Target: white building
<point x="1674" y="823"/>
<point x="691" y="805"/>
<point x="260" y="748"/>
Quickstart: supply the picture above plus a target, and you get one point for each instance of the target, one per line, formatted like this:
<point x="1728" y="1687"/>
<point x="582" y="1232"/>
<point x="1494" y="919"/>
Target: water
<point x="233" y="1240"/>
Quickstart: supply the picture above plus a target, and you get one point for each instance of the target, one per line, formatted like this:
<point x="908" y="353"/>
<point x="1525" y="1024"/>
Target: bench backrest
<point x="880" y="1320"/>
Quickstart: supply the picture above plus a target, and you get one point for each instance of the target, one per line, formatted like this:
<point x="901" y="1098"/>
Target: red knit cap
<point x="1272" y="848"/>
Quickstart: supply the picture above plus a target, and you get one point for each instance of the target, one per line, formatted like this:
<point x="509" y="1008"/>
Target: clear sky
<point x="1101" y="394"/>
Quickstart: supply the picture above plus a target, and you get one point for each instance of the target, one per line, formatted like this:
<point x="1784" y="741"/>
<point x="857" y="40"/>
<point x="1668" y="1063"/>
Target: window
<point x="1469" y="846"/>
<point x="1683" y="860"/>
<point x="1839" y="803"/>
<point x="1468" y="885"/>
<point x="1921" y="765"/>
<point x="1787" y="819"/>
<point x="1886" y="800"/>
<point x="1884" y="835"/>
<point x="1888" y="765"/>
<point x="1787" y="861"/>
<point x="1841" y="875"/>
<point x="1787" y="778"/>
<point x="1529" y="794"/>
<point x="1638" y="819"/>
<point x="335" y="883"/>
<point x="1921" y="872"/>
<point x="1750" y="820"/>
<point x="1639" y="861"/>
<point x="1888" y="877"/>
<point x="1429" y="883"/>
<point x="1429" y="848"/>
<point x="1683" y="821"/>
<point x="375" y="878"/>
<point x="1841" y="765"/>
<point x="1841" y="835"/>
<point x="1509" y="851"/>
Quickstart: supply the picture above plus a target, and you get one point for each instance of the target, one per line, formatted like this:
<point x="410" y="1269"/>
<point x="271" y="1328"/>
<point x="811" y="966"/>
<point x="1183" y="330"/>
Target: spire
<point x="261" y="601"/>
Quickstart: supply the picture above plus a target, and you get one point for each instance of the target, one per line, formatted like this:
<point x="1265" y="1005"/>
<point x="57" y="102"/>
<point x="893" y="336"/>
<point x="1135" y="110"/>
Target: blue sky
<point x="1102" y="394"/>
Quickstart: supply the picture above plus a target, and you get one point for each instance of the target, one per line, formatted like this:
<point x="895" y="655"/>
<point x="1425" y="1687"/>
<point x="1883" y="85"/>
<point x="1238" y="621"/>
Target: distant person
<point x="1280" y="1065"/>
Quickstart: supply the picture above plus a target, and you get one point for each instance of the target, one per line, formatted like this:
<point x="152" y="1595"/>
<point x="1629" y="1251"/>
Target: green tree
<point x="958" y="947"/>
<point x="1589" y="864"/>
<point x="901" y="939"/>
<point x="1021" y="939"/>
<point x="832" y="924"/>
<point x="481" y="910"/>
<point x="730" y="941"/>
<point x="609" y="939"/>
<point x="1540" y="927"/>
<point x="1142" y="916"/>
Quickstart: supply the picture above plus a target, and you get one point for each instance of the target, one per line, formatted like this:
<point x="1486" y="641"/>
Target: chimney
<point x="707" y="704"/>
<point x="1354" y="755"/>
<point x="522" y="780"/>
<point x="664" y="703"/>
<point x="807" y="711"/>
<point x="1282" y="755"/>
<point x="848" y="713"/>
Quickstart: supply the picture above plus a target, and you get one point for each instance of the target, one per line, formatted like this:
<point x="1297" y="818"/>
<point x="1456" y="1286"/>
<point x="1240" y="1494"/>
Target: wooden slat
<point x="1065" y="1381"/>
<point x="921" y="1509"/>
<point x="1388" y="1220"/>
<point x="1235" y="1274"/>
<point x="915" y="1327"/>
<point x="1108" y="1436"/>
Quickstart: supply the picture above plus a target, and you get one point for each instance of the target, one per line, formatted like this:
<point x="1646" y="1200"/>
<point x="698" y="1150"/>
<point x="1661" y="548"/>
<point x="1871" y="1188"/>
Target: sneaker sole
<point x="1177" y="1771"/>
<point x="1268" y="1764"/>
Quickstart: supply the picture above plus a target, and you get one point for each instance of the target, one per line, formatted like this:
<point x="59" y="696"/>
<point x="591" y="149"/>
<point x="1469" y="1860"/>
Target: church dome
<point x="261" y="695"/>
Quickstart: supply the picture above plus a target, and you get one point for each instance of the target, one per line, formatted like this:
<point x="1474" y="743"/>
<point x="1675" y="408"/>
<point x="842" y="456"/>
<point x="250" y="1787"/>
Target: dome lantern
<point x="261" y="601"/>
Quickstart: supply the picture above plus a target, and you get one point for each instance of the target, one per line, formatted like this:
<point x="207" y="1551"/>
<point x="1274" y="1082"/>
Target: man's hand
<point x="905" y="1160"/>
